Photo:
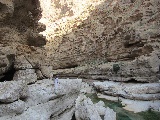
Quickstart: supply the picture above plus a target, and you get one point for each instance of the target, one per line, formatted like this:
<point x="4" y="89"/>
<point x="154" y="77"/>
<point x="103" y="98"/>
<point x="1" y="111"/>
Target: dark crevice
<point x="6" y="103"/>
<point x="68" y="66"/>
<point x="73" y="117"/>
<point x="132" y="80"/>
<point x="24" y="99"/>
<point x="8" y="76"/>
<point x="135" y="44"/>
<point x="31" y="83"/>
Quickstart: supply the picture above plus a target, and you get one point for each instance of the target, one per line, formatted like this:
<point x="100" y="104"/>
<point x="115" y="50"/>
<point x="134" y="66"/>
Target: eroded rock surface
<point x="138" y="91"/>
<point x="42" y="103"/>
<point x="11" y="91"/>
<point x="86" y="110"/>
<point x="16" y="107"/>
<point x="92" y="39"/>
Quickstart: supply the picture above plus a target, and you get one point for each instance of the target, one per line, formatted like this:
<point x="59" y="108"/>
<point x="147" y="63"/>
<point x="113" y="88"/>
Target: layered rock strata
<point x="135" y="97"/>
<point x="40" y="101"/>
<point x="138" y="91"/>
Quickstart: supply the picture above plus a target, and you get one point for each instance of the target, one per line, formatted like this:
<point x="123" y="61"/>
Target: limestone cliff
<point x="116" y="42"/>
<point x="77" y="33"/>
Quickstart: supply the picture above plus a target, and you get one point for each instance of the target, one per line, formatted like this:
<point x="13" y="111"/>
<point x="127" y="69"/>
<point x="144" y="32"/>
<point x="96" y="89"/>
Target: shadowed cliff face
<point x="19" y="31"/>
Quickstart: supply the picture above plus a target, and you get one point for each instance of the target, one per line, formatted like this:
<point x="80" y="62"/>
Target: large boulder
<point x="22" y="63"/>
<point x="13" y="90"/>
<point x="85" y="109"/>
<point x="110" y="114"/>
<point x="43" y="103"/>
<point x="44" y="111"/>
<point x="16" y="107"/>
<point x="27" y="75"/>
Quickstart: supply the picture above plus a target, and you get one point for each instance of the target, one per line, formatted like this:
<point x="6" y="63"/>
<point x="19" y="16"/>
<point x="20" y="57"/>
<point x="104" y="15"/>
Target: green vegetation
<point x="150" y="115"/>
<point x="116" y="68"/>
<point x="123" y="114"/>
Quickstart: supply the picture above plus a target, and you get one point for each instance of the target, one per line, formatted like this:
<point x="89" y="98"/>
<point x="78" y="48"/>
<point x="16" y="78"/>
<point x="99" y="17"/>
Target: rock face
<point x="11" y="91"/>
<point x="143" y="69"/>
<point x="114" y="40"/>
<point x="110" y="114"/>
<point x="107" y="30"/>
<point x="80" y="33"/>
<point x="28" y="75"/>
<point x="16" y="107"/>
<point x="139" y="91"/>
<point x="86" y="110"/>
<point x="42" y="103"/>
<point x="19" y="30"/>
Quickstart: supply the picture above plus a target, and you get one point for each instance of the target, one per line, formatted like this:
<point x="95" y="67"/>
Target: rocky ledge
<point x="38" y="101"/>
<point x="135" y="97"/>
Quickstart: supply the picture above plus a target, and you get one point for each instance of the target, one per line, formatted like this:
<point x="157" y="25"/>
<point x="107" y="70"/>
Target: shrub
<point x="116" y="68"/>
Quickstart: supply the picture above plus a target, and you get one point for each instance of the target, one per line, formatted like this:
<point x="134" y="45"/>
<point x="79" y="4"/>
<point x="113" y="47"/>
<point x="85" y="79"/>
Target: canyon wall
<point x="114" y="41"/>
<point x="48" y="35"/>
<point x="109" y="30"/>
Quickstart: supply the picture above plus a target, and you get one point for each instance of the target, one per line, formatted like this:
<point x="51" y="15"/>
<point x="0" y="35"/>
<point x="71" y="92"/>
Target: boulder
<point x="100" y="107"/>
<point x="109" y="114"/>
<point x="13" y="90"/>
<point x="21" y="63"/>
<point x="85" y="109"/>
<point x="43" y="104"/>
<point x="16" y="107"/>
<point x="44" y="90"/>
<point x="28" y="75"/>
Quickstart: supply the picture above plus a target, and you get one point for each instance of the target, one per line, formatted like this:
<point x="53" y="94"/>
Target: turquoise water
<point x="123" y="114"/>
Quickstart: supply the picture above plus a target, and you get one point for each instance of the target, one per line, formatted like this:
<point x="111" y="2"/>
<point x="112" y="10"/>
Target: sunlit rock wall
<point x="77" y="32"/>
<point x="110" y="30"/>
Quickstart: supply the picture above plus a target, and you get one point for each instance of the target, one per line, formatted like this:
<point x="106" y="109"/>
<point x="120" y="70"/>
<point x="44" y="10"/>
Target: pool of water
<point x="122" y="114"/>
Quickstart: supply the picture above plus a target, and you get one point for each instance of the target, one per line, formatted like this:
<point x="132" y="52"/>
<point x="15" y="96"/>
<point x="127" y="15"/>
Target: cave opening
<point x="132" y="80"/>
<point x="8" y="76"/>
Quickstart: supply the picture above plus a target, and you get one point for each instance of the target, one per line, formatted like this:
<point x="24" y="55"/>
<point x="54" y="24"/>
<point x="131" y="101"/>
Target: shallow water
<point x="123" y="114"/>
